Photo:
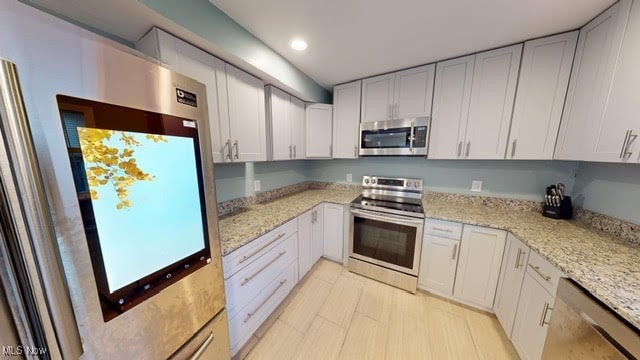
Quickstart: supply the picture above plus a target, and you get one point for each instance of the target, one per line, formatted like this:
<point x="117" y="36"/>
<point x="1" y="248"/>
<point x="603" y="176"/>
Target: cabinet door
<point x="591" y="77"/>
<point x="333" y="231"/>
<point x="247" y="125"/>
<point x="278" y="117"/>
<point x="438" y="263"/>
<point x="297" y="122"/>
<point x="530" y="327"/>
<point x="318" y="233"/>
<point x="623" y="108"/>
<point x="305" y="243"/>
<point x="377" y="98"/>
<point x="495" y="76"/>
<point x="479" y="265"/>
<point x="346" y="120"/>
<point x="514" y="265"/>
<point x="544" y="78"/>
<point x="413" y="92"/>
<point x="318" y="127"/>
<point x="452" y="93"/>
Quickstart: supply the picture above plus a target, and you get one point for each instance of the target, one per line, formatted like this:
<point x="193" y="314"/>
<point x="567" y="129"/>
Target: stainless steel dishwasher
<point x="583" y="328"/>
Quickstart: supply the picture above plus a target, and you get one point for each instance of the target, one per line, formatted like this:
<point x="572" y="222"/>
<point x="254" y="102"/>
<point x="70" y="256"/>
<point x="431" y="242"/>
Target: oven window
<point x="392" y="243"/>
<point x="389" y="138"/>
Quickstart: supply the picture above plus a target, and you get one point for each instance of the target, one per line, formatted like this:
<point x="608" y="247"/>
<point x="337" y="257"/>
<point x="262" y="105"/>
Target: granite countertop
<point x="607" y="267"/>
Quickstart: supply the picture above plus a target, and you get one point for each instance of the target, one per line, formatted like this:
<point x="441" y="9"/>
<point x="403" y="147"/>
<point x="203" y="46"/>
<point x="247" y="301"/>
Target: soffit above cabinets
<point x="358" y="38"/>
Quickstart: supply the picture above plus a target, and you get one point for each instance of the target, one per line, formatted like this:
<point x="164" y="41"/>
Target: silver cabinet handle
<point x="388" y="112"/>
<point x="235" y="145"/>
<point x="290" y="152"/>
<point x="459" y="148"/>
<point x="294" y="151"/>
<point x="630" y="139"/>
<point x="522" y="258"/>
<point x="200" y="350"/>
<point x="537" y="270"/>
<point x="543" y="318"/>
<point x="355" y="151"/>
<point x="513" y="148"/>
<point x="624" y="144"/>
<point x="455" y="251"/>
<point x="227" y="146"/>
<point x="247" y="257"/>
<point x="441" y="229"/>
<point x="468" y="149"/>
<point x="518" y="259"/>
<point x="250" y="314"/>
<point x="396" y="113"/>
<point x="248" y="278"/>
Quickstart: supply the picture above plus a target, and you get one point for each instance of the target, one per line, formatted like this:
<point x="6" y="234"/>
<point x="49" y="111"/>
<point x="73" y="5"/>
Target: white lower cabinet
<point x="514" y="265"/>
<point x="479" y="265"/>
<point x="439" y="258"/>
<point x="305" y="243"/>
<point x="317" y="242"/>
<point x="530" y="327"/>
<point x="333" y="224"/>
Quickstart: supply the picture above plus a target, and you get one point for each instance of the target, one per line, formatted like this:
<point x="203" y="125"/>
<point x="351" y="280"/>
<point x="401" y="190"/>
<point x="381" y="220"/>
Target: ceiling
<point x="351" y="39"/>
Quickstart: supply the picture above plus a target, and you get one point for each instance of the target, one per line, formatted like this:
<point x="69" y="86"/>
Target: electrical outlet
<point x="476" y="185"/>
<point x="256" y="185"/>
<point x="349" y="178"/>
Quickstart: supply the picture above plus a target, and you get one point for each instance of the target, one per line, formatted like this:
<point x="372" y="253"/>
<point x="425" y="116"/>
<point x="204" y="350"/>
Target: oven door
<point x="391" y="241"/>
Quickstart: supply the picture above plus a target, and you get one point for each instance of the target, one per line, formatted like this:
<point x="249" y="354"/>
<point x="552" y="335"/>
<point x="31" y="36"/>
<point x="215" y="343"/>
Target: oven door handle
<point x="395" y="219"/>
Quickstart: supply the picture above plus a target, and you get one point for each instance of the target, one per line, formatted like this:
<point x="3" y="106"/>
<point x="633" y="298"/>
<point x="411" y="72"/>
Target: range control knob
<point x="373" y="181"/>
<point x="366" y="180"/>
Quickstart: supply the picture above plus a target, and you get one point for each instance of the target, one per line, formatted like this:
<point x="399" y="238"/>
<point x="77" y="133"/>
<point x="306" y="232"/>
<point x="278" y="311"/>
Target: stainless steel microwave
<point x="395" y="137"/>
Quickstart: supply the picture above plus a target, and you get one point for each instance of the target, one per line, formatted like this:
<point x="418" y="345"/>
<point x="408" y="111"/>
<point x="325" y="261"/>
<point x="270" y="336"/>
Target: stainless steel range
<point x="386" y="231"/>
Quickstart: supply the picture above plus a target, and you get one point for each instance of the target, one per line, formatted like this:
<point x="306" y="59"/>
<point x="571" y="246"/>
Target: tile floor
<point x="335" y="314"/>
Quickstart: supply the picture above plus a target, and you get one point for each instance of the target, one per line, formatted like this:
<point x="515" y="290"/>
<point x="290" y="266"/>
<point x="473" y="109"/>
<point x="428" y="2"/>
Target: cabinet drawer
<point x="545" y="273"/>
<point x="249" y="318"/>
<point x="242" y="257"/>
<point x="443" y="229"/>
<point x="243" y="285"/>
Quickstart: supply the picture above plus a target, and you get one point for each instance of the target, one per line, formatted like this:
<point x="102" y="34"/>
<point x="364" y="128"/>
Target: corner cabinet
<point x="310" y="239"/>
<point x="286" y="122"/>
<point x="544" y="78"/>
<point x="403" y="94"/>
<point x="514" y="265"/>
<point x="318" y="131"/>
<point x="346" y="120"/>
<point x="235" y="99"/>
<point x="479" y="265"/>
<point x="472" y="105"/>
<point x="602" y="103"/>
<point x="333" y="224"/>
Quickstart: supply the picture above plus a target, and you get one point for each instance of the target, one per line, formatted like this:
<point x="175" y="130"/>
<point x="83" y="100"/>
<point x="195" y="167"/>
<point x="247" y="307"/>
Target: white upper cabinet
<point x="544" y="77"/>
<point x="472" y="105"/>
<point x="235" y="99"/>
<point x="377" y="98"/>
<point x="495" y="76"/>
<point x="286" y="118"/>
<point x="247" y="126"/>
<point x="346" y="120"/>
<point x="451" y="98"/>
<point x="318" y="131"/>
<point x="399" y="95"/>
<point x="590" y="130"/>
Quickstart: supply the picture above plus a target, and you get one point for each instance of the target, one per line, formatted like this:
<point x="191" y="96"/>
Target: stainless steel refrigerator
<point x="74" y="280"/>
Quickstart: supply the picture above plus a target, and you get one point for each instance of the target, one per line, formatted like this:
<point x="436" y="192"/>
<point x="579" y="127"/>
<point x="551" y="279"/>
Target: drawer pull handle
<point x="443" y="230"/>
<point x="248" y="278"/>
<point x="247" y="257"/>
<point x="537" y="270"/>
<point x="518" y="258"/>
<point x="200" y="350"/>
<point x="249" y="315"/>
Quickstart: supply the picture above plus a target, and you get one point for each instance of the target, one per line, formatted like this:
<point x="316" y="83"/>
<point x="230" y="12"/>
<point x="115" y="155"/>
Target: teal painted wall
<point x="210" y="23"/>
<point x="610" y="189"/>
<point x="513" y="179"/>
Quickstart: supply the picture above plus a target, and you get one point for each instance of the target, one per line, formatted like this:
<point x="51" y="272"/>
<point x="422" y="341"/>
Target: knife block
<point x="564" y="211"/>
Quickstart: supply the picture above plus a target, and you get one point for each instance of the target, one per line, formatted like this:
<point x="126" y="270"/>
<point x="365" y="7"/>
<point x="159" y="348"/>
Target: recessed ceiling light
<point x="299" y="44"/>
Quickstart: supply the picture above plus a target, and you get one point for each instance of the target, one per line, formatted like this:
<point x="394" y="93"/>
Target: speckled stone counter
<point x="607" y="267"/>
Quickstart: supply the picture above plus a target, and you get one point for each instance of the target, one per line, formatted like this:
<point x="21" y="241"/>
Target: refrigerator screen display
<point x="139" y="185"/>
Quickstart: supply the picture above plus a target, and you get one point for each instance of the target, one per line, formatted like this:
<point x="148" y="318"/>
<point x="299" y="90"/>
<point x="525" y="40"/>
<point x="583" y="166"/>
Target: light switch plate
<point x="476" y="185"/>
<point x="256" y="185"/>
<point x="349" y="178"/>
